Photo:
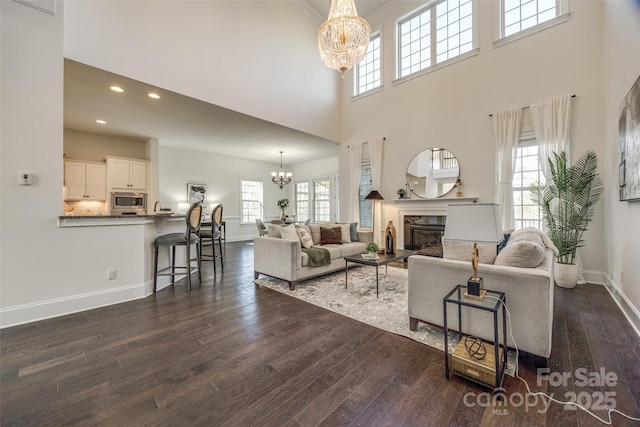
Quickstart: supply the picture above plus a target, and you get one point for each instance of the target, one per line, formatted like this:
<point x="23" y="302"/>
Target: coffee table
<point x="382" y="259"/>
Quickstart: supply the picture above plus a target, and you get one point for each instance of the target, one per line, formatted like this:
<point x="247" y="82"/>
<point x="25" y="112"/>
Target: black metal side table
<point x="492" y="302"/>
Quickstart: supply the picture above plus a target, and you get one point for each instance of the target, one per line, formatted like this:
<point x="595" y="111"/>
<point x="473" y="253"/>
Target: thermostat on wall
<point x="25" y="178"/>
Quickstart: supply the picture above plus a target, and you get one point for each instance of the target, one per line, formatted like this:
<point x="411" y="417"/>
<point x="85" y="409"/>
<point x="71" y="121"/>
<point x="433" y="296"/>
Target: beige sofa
<point x="528" y="291"/>
<point x="284" y="259"/>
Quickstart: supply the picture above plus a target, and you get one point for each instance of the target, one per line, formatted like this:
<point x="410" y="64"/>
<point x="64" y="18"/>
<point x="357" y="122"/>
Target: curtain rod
<point x="384" y="138"/>
<point x="525" y="108"/>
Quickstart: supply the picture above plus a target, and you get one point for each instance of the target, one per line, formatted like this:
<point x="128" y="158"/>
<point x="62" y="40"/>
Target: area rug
<point x="388" y="312"/>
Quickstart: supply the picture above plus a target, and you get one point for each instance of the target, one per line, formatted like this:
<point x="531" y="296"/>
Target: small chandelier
<point x="281" y="178"/>
<point x="343" y="39"/>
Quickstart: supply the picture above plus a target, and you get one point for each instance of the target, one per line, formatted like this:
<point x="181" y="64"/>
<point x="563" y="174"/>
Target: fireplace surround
<point x="423" y="233"/>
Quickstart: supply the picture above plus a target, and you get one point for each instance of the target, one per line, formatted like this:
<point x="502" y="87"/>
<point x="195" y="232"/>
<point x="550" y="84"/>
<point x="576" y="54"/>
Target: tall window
<point x="434" y="35"/>
<point x="526" y="173"/>
<point x="366" y="212"/>
<point x="251" y="200"/>
<point x="302" y="200"/>
<point x="368" y="70"/>
<point x="527" y="16"/>
<point x="321" y="200"/>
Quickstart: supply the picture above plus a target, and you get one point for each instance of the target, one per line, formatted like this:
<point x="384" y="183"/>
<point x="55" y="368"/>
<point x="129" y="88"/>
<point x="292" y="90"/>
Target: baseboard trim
<point x="596" y="277"/>
<point x="628" y="309"/>
<point x="21" y="314"/>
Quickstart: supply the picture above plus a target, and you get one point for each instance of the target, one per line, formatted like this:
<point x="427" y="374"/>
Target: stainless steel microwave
<point x="128" y="203"/>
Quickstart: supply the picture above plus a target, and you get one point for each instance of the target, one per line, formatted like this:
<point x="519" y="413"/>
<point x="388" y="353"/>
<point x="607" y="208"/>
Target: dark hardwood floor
<point x="231" y="353"/>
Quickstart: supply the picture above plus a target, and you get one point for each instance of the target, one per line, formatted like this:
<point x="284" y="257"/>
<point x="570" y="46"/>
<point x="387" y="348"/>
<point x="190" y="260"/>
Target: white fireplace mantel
<point x="416" y="206"/>
<point x="436" y="201"/>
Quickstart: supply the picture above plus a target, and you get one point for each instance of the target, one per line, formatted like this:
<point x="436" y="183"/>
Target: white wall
<point x="223" y="177"/>
<point x="256" y="57"/>
<point x="46" y="271"/>
<point x="91" y="147"/>
<point x="450" y="107"/>
<point x="31" y="132"/>
<point x="621" y="60"/>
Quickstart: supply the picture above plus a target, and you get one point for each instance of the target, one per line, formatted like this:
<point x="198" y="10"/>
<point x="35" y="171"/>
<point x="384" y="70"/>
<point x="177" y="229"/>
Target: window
<point x="321" y="200"/>
<point x="434" y="35"/>
<point x="302" y="200"/>
<point x="367" y="73"/>
<point x="251" y="200"/>
<point x="526" y="173"/>
<point x="519" y="18"/>
<point x="366" y="212"/>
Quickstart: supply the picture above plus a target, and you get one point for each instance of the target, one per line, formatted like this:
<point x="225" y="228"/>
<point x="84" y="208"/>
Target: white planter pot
<point x="566" y="275"/>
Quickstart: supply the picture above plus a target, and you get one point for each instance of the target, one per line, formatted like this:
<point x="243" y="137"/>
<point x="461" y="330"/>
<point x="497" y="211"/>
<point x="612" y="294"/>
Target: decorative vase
<point x="566" y="275"/>
<point x="390" y="238"/>
<point x="283" y="215"/>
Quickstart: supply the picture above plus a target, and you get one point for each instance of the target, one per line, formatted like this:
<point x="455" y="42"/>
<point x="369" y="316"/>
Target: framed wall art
<point x="197" y="193"/>
<point x="629" y="145"/>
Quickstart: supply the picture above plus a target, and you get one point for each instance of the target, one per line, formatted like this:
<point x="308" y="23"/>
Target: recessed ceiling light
<point x="117" y="89"/>
<point x="154" y="95"/>
<point x="102" y="122"/>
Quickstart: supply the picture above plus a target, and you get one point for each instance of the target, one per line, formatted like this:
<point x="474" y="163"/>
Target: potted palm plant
<point x="567" y="204"/>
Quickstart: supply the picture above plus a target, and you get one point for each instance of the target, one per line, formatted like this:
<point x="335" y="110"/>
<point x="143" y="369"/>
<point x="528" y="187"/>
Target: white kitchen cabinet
<point x="127" y="174"/>
<point x="85" y="181"/>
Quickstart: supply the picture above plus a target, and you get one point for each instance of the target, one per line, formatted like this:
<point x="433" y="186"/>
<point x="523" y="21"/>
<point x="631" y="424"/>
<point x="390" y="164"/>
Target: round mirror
<point x="432" y="173"/>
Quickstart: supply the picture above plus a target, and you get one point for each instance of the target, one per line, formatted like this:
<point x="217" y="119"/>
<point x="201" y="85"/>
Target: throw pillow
<point x="315" y="233"/>
<point x="289" y="232"/>
<point x="526" y="236"/>
<point x="502" y="245"/>
<point x="353" y="231"/>
<point x="306" y="227"/>
<point x="273" y="230"/>
<point x="330" y="236"/>
<point x="305" y="237"/>
<point x="523" y="253"/>
<point x="346" y="233"/>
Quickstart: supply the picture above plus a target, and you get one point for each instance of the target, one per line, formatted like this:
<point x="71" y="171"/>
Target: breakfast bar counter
<point x="107" y="220"/>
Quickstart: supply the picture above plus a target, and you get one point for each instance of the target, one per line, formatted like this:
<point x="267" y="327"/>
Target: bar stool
<point x="193" y="219"/>
<point x="212" y="234"/>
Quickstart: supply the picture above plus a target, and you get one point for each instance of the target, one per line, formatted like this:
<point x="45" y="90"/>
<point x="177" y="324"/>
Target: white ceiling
<point x="365" y="7"/>
<point x="177" y="120"/>
<point x="183" y="122"/>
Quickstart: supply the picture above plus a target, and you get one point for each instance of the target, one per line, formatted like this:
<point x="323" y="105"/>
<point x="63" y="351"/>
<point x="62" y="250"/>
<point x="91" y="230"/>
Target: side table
<point x="490" y="370"/>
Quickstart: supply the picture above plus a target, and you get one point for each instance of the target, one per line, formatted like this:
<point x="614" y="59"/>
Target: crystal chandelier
<point x="281" y="178"/>
<point x="344" y="37"/>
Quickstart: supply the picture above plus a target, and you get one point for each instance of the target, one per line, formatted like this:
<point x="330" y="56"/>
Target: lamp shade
<point x="374" y="195"/>
<point x="474" y="222"/>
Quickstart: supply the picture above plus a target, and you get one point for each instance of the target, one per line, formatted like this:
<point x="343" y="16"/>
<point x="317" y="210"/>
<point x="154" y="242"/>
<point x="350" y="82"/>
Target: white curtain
<point x="355" y="166"/>
<point x="506" y="127"/>
<point x="552" y="124"/>
<point x="375" y="152"/>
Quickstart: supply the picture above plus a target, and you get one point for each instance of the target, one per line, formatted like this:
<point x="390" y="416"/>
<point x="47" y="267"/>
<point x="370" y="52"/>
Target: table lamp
<point x="373" y="196"/>
<point x="474" y="222"/>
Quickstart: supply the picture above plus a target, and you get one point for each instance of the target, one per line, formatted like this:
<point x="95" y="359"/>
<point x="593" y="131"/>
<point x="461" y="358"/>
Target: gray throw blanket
<point x="318" y="256"/>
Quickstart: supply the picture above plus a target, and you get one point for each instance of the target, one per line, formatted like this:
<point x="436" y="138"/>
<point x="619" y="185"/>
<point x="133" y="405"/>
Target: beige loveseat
<point x="284" y="259"/>
<point x="528" y="290"/>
